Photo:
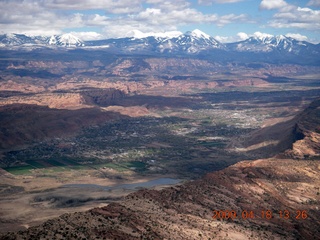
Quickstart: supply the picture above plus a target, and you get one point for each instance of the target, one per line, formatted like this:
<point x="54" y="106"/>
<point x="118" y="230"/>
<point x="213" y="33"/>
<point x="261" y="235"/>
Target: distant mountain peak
<point x="198" y="34"/>
<point x="10" y="35"/>
<point x="269" y="43"/>
<point x="281" y="37"/>
<point x="267" y="38"/>
<point x="66" y="40"/>
<point x="13" y="39"/>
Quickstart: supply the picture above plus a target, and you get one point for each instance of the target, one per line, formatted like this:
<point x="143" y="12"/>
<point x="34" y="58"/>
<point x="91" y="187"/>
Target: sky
<point x="226" y="20"/>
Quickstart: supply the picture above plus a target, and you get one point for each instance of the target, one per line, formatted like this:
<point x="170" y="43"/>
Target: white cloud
<point x="297" y="17"/>
<point x="297" y="36"/>
<point x="242" y="35"/>
<point x="169" y="4"/>
<point x="210" y="2"/>
<point x="315" y="3"/>
<point x="292" y="16"/>
<point x="139" y="34"/>
<point x="221" y="39"/>
<point x="239" y="37"/>
<point x="230" y="18"/>
<point x="87" y="36"/>
<point x="47" y="17"/>
<point x="261" y="35"/>
<point x="157" y="20"/>
<point x="31" y="18"/>
<point x="149" y="13"/>
<point x="53" y="16"/>
<point x="272" y="4"/>
<point x="157" y="17"/>
<point x="114" y="6"/>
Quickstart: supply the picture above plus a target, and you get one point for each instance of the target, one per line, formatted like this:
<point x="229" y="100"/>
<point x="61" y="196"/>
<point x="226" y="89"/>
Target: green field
<point x="35" y="164"/>
<point x="66" y="164"/>
<point x="51" y="165"/>
<point x="19" y="170"/>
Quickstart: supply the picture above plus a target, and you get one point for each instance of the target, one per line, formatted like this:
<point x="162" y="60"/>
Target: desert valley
<point x="182" y="138"/>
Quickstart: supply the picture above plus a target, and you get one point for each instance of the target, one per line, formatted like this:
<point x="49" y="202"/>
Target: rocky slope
<point x="307" y="134"/>
<point x="297" y="137"/>
<point x="286" y="189"/>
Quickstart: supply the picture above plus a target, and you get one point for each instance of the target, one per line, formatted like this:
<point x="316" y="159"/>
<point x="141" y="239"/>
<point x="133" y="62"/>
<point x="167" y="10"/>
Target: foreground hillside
<point x="296" y="137"/>
<point x="283" y="190"/>
<point x="276" y="198"/>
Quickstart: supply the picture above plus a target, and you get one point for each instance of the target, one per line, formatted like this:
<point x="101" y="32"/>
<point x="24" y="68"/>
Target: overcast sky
<point x="226" y="20"/>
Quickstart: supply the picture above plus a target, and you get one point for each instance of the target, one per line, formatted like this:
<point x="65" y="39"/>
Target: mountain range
<point x="195" y="43"/>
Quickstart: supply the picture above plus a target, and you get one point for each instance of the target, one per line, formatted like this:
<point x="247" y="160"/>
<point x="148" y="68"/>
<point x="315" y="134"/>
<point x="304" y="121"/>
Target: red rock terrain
<point x="307" y="134"/>
<point x="298" y="136"/>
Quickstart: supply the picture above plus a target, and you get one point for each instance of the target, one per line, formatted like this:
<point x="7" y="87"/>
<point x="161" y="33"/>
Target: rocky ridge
<point x="249" y="189"/>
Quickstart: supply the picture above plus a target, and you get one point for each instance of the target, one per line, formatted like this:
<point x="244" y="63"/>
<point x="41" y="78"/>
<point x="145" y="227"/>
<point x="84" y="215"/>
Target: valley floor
<point x="111" y="133"/>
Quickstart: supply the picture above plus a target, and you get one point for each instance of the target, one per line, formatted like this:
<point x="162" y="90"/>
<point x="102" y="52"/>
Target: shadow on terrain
<point x="34" y="74"/>
<point x="279" y="137"/>
<point x="22" y="124"/>
<point x="159" y="102"/>
<point x="61" y="199"/>
<point x="264" y="99"/>
<point x="271" y="140"/>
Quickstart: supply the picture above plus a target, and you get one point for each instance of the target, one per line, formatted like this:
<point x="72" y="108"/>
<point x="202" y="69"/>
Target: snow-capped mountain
<point x="66" y="40"/>
<point x="198" y="34"/>
<point x="190" y="42"/>
<point x="16" y="39"/>
<point x="270" y="43"/>
<point x="261" y="47"/>
<point x="194" y="42"/>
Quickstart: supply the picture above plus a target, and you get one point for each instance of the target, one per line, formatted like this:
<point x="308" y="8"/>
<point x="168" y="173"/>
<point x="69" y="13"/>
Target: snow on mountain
<point x="199" y="39"/>
<point x="66" y="40"/>
<point x="137" y="34"/>
<point x="191" y="42"/>
<point x="169" y="42"/>
<point x="281" y="42"/>
<point x="267" y="43"/>
<point x="262" y="36"/>
<point x="13" y="39"/>
<point x="198" y="34"/>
